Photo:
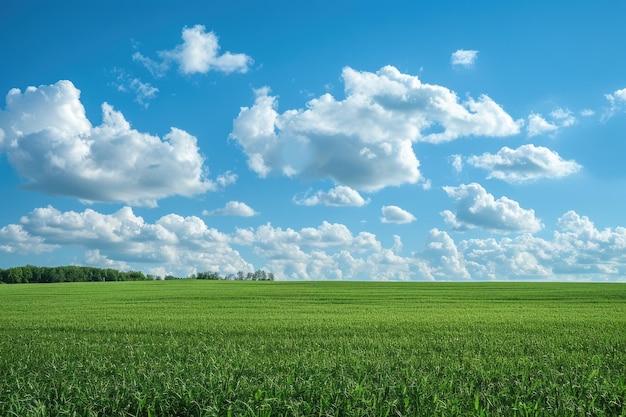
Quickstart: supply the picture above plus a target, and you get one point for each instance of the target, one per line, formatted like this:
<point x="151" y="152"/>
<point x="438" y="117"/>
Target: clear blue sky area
<point x="355" y="140"/>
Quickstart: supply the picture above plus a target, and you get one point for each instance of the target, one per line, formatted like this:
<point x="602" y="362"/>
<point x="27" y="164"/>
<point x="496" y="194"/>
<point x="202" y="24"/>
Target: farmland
<point x="205" y="348"/>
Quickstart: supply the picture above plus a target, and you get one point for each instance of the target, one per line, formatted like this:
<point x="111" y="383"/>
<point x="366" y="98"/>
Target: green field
<point x="205" y="348"/>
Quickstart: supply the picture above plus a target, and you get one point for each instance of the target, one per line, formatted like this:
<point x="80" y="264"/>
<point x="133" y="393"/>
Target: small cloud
<point x="617" y="101"/>
<point x="464" y="58"/>
<point x="457" y="163"/>
<point x="587" y="112"/>
<point x="538" y="125"/>
<point x="198" y="54"/>
<point x="394" y="214"/>
<point x="338" y="196"/>
<point x="232" y="208"/>
<point x="144" y="92"/>
<point x="226" y="179"/>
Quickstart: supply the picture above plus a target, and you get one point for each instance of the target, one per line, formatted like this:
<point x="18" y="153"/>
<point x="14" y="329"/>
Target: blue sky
<point x="363" y="140"/>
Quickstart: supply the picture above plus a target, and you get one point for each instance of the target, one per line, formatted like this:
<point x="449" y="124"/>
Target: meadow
<point x="216" y="348"/>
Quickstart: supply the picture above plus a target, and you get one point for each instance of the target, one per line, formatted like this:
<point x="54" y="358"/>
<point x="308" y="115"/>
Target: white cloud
<point x="51" y="143"/>
<point x="184" y="245"/>
<point x="587" y="112"/>
<point x="144" y="92"/>
<point x="232" y="208"/>
<point x="338" y="196"/>
<point x="457" y="163"/>
<point x="477" y="208"/>
<point x="563" y="117"/>
<point x="365" y="140"/>
<point x="538" y="125"/>
<point x="14" y="239"/>
<point x="464" y="58"/>
<point x="526" y="163"/>
<point x="617" y="101"/>
<point x="180" y="246"/>
<point x="394" y="214"/>
<point x="199" y="53"/>
<point x="577" y="251"/>
<point x="329" y="251"/>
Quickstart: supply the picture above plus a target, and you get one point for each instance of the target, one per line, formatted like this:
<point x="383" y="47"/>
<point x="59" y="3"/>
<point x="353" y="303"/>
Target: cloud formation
<point x="394" y="214"/>
<point x="338" y="196"/>
<point x="232" y="208"/>
<point x="617" y="101"/>
<point x="365" y="140"/>
<point x="559" y="118"/>
<point x="182" y="246"/>
<point x="464" y="58"/>
<point x="524" y="164"/>
<point x="198" y="54"/>
<point x="477" y="208"/>
<point x="50" y="142"/>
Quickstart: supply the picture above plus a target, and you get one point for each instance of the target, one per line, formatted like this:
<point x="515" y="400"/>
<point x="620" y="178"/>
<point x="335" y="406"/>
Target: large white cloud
<point x="199" y="53"/>
<point x="51" y="143"/>
<point x="338" y="196"/>
<point x="475" y="207"/>
<point x="365" y="140"/>
<point x="526" y="163"/>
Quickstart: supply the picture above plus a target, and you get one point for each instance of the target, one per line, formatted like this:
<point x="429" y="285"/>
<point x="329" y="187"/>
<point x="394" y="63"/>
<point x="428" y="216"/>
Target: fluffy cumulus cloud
<point x="51" y="143"/>
<point x="329" y="251"/>
<point x="232" y="208"/>
<point x="199" y="53"/>
<point x="364" y="141"/>
<point x="394" y="214"/>
<point x="475" y="207"/>
<point x="577" y="251"/>
<point x="463" y="58"/>
<point x="338" y="196"/>
<point x="558" y="118"/>
<point x="526" y="163"/>
<point x="180" y="245"/>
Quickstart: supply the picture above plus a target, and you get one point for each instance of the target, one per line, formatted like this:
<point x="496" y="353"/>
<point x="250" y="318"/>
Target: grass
<point x="203" y="348"/>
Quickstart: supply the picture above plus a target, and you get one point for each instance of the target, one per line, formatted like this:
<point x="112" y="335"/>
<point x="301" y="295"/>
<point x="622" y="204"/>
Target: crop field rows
<point x="214" y="348"/>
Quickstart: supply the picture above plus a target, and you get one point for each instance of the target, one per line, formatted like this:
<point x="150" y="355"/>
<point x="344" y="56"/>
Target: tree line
<point x="43" y="274"/>
<point x="258" y="275"/>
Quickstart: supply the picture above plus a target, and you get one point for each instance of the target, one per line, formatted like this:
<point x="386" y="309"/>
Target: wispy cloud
<point x="463" y="58"/>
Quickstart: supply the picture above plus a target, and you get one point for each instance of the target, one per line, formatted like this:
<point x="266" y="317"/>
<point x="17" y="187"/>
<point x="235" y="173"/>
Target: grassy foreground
<point x="203" y="348"/>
